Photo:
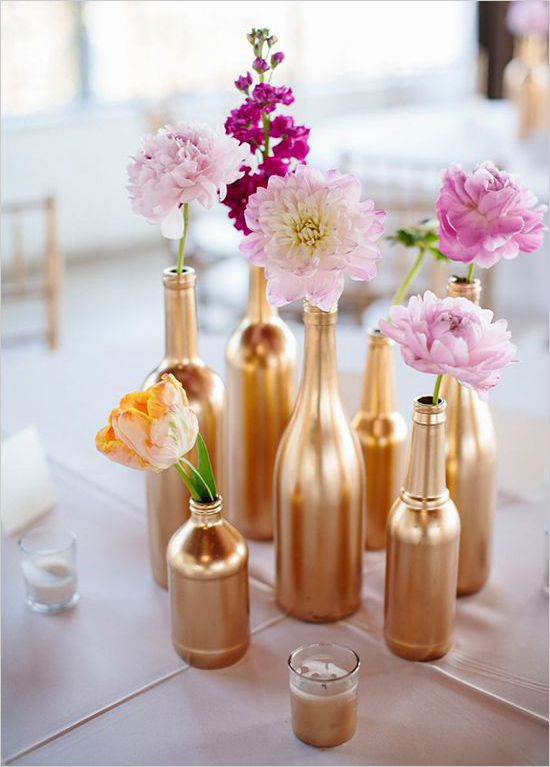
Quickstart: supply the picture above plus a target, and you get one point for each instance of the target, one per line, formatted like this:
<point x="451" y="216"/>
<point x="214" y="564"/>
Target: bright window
<point x="55" y="50"/>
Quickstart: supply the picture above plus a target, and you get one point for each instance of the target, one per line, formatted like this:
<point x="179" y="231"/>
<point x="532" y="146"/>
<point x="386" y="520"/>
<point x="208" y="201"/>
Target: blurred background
<point x="393" y="91"/>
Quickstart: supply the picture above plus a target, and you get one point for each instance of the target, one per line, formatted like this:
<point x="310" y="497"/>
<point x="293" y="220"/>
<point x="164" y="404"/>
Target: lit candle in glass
<point x="49" y="569"/>
<point x="323" y="693"/>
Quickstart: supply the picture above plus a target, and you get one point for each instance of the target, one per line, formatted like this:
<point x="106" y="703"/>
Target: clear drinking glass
<point x="323" y="693"/>
<point x="49" y="569"/>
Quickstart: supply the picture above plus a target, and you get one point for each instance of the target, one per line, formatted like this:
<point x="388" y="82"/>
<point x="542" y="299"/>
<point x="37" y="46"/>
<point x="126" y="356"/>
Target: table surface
<point x="101" y="684"/>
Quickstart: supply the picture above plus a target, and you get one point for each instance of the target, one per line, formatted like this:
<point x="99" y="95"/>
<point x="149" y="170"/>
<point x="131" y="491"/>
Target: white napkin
<point x="27" y="489"/>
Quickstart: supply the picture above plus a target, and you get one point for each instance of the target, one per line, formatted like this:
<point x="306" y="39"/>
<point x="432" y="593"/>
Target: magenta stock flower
<point x="528" y="17"/>
<point x="487" y="215"/>
<point x="178" y="165"/>
<point x="268" y="97"/>
<point x="308" y="229"/>
<point x="260" y="65"/>
<point x="451" y="336"/>
<point x="243" y="82"/>
<point x="277" y="59"/>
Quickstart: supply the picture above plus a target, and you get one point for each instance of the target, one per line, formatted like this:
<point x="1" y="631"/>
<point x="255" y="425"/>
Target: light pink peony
<point x="487" y="215"/>
<point x="308" y="229"/>
<point x="451" y="336"/>
<point x="528" y="17"/>
<point x="180" y="164"/>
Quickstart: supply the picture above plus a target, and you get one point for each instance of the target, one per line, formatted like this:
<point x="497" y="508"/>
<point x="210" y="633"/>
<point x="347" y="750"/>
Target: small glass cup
<point x="323" y="693"/>
<point x="49" y="569"/>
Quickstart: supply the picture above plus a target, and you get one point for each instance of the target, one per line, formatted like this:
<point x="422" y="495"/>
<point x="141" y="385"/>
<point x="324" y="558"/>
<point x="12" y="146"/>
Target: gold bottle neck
<point x="457" y="287"/>
<point x="531" y="49"/>
<point x="206" y="514"/>
<point x="425" y="486"/>
<point x="180" y="315"/>
<point x="259" y="309"/>
<point x="378" y="390"/>
<point x="320" y="376"/>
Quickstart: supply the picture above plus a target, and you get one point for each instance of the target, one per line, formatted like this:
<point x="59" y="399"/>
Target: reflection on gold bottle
<point x="526" y="83"/>
<point x="471" y="466"/>
<point x="319" y="490"/>
<point x="167" y="496"/>
<point x="422" y="546"/>
<point x="261" y="361"/>
<point x="209" y="601"/>
<point x="382" y="434"/>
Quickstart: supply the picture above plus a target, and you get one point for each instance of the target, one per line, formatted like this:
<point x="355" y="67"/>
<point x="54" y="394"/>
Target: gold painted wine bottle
<point x="319" y="490"/>
<point x="261" y="361"/>
<point x="471" y="467"/>
<point x="422" y="546"/>
<point x="209" y="599"/>
<point x="167" y="496"/>
<point x="382" y="434"/>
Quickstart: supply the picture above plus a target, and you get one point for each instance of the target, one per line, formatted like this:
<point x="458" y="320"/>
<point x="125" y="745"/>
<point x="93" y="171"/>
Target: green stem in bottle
<point x="403" y="290"/>
<point x="437" y="387"/>
<point x="181" y="250"/>
<point x="471" y="272"/>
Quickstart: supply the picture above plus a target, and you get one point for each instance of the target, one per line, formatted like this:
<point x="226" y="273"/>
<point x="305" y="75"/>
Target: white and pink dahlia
<point x="308" y="230"/>
<point x="180" y="164"/>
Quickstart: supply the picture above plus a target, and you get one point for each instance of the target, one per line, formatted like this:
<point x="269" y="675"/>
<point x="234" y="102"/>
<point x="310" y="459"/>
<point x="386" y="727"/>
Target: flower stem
<point x="181" y="250"/>
<point x="402" y="291"/>
<point x="471" y="272"/>
<point x="267" y="124"/>
<point x="437" y="387"/>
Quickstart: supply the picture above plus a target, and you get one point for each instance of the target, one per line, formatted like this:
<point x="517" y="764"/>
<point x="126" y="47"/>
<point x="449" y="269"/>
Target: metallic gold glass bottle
<point x="422" y="546"/>
<point x="319" y="490"/>
<point x="261" y="361"/>
<point x="471" y="465"/>
<point x="526" y="83"/>
<point x="167" y="496"/>
<point x="382" y="434"/>
<point x="209" y="600"/>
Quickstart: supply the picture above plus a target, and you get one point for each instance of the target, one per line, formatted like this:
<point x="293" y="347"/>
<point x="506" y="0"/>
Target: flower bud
<point x="272" y="40"/>
<point x="277" y="59"/>
<point x="260" y="65"/>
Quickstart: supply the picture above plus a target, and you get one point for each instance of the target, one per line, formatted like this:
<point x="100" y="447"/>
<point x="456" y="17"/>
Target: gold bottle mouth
<point x="377" y="338"/>
<point x="205" y="509"/>
<point x="315" y="316"/>
<point x="459" y="287"/>
<point x="171" y="279"/>
<point x="426" y="413"/>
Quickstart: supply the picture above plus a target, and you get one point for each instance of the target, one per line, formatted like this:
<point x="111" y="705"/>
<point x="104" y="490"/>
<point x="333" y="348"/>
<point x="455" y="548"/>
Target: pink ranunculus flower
<point x="451" y="336"/>
<point x="308" y="229"/>
<point x="487" y="215"/>
<point x="180" y="164"/>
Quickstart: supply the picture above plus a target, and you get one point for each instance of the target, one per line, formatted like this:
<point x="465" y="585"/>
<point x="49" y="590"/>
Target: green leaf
<point x="203" y="491"/>
<point x="190" y="483"/>
<point x="437" y="254"/>
<point x="205" y="465"/>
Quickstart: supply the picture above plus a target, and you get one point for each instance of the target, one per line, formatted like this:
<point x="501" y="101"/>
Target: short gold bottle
<point x="422" y="547"/>
<point x="167" y="496"/>
<point x="319" y="490"/>
<point x="471" y="466"/>
<point x="382" y="434"/>
<point x="209" y="599"/>
<point x="261" y="362"/>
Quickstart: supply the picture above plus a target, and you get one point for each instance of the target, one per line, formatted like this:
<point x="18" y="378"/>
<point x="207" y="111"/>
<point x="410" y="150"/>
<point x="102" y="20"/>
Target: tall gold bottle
<point x="471" y="466"/>
<point x="319" y="490"/>
<point x="167" y="496"/>
<point x="422" y="547"/>
<point x="209" y="600"/>
<point x="526" y="83"/>
<point x="382" y="434"/>
<point x="261" y="362"/>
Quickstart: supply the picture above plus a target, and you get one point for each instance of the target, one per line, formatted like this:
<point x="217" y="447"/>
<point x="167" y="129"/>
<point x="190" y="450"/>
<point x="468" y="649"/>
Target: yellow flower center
<point x="309" y="231"/>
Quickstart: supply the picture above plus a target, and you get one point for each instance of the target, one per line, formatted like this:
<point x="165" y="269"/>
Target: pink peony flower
<point x="487" y="215"/>
<point x="178" y="165"/>
<point x="308" y="229"/>
<point x="528" y="17"/>
<point x="452" y="336"/>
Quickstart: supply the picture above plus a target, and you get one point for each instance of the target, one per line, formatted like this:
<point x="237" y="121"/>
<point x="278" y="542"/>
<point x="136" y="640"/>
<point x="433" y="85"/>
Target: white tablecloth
<point x="102" y="685"/>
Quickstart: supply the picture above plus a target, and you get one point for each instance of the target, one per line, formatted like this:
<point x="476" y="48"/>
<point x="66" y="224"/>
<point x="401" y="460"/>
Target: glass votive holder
<point x="49" y="569"/>
<point x="323" y="693"/>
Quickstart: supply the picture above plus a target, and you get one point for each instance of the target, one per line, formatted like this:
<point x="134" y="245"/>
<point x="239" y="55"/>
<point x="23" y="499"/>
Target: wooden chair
<point x="17" y="285"/>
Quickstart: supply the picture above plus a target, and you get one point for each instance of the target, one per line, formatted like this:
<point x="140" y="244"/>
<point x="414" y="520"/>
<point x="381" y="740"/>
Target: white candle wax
<point x="50" y="579"/>
<point x="324" y="712"/>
